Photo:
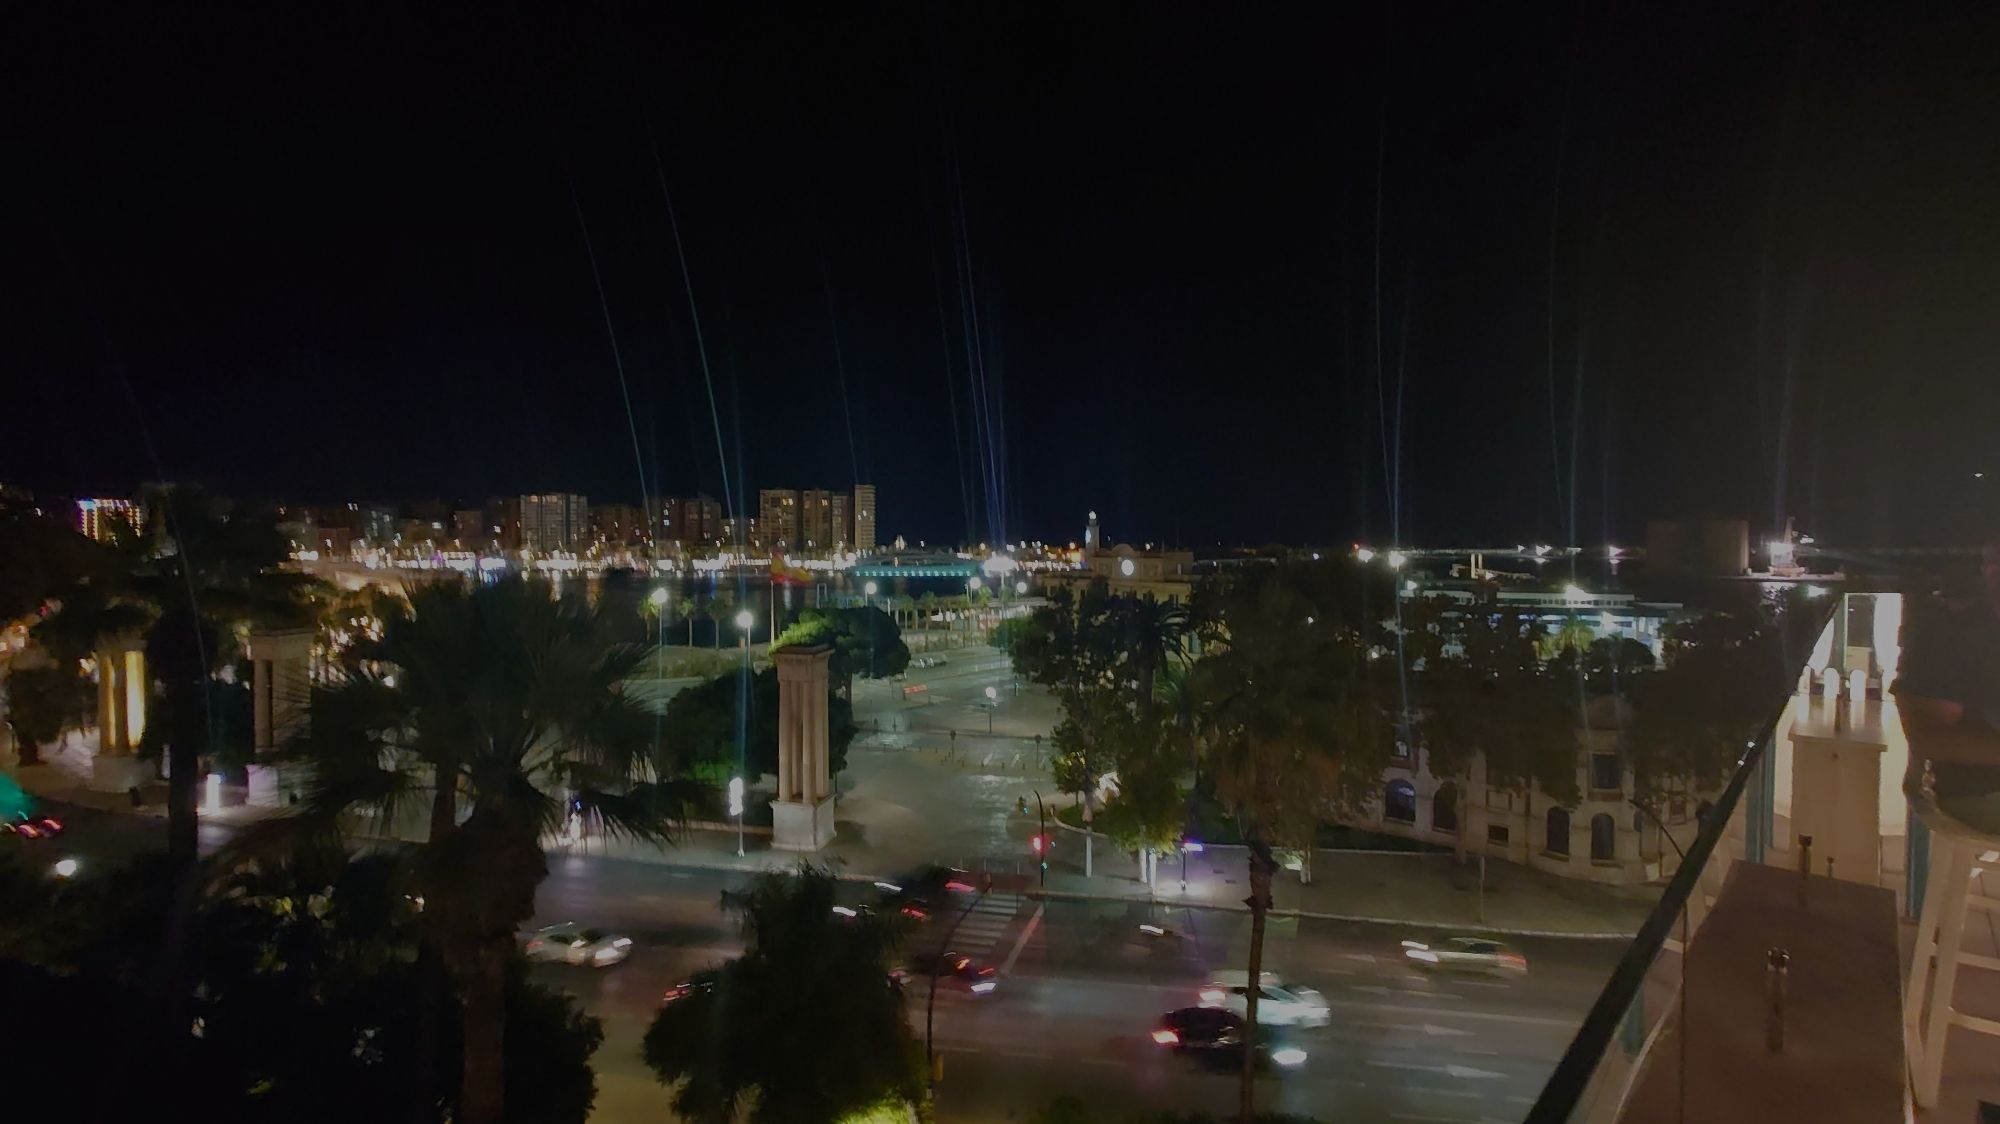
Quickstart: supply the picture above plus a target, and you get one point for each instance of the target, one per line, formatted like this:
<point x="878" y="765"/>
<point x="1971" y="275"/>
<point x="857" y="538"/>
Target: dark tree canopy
<point x="698" y="733"/>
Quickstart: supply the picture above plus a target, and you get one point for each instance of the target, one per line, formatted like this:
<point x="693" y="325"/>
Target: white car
<point x="574" y="944"/>
<point x="1277" y="1003"/>
<point x="1466" y="954"/>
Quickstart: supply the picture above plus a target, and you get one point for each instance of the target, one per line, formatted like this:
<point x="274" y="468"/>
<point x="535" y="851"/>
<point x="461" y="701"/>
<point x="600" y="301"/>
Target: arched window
<point x="1399" y="802"/>
<point x="1603" y="838"/>
<point x="1444" y="808"/>
<point x="1558" y="841"/>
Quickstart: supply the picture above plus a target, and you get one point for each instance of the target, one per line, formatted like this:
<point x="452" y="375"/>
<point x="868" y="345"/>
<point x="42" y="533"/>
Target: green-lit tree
<point x="698" y="735"/>
<point x="865" y="642"/>
<point x="806" y="1025"/>
<point x="43" y="702"/>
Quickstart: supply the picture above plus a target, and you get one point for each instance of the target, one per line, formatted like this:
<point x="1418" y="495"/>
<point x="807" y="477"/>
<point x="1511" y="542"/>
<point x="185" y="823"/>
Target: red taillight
<point x="913" y="911"/>
<point x="1165" y="1037"/>
<point x="53" y="823"/>
<point x="958" y="887"/>
<point x="962" y="962"/>
<point x="1514" y="960"/>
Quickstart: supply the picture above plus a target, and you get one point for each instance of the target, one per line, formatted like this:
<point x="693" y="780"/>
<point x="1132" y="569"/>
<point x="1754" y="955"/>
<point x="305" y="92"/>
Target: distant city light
<point x="1396" y="559"/>
<point x="1575" y="592"/>
<point x="1410" y="586"/>
<point x="1363" y="554"/>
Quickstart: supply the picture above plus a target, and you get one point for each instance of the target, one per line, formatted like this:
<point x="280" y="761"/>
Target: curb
<point x="1553" y="934"/>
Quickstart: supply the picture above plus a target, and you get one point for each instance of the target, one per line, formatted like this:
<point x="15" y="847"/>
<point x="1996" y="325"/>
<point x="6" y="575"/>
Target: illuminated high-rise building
<point x="777" y="518"/>
<point x="554" y="521"/>
<point x="96" y="517"/>
<point x="864" y="519"/>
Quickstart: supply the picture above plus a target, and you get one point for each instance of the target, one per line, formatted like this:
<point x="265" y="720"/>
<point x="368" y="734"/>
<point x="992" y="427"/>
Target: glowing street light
<point x="1021" y="588"/>
<point x="869" y="589"/>
<point x="1574" y="593"/>
<point x="65" y="868"/>
<point x="744" y="620"/>
<point x="1363" y="554"/>
<point x="1397" y="559"/>
<point x="736" y="809"/>
<point x="992" y="704"/>
<point x="659" y="597"/>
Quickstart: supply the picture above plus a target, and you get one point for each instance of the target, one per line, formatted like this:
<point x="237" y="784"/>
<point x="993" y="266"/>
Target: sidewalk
<point x="908" y="807"/>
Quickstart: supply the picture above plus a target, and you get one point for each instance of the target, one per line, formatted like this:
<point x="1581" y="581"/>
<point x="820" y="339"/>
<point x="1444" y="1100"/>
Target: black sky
<point x="1740" y="259"/>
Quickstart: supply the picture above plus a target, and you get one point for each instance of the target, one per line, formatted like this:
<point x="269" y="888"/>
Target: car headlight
<point x="1422" y="954"/>
<point x="1288" y="1056"/>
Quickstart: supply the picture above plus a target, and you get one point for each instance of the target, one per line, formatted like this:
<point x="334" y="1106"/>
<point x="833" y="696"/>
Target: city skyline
<point x="1524" y="273"/>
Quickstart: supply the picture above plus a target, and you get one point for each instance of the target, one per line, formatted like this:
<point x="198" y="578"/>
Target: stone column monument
<point x="122" y="690"/>
<point x="280" y="663"/>
<point x="802" y="815"/>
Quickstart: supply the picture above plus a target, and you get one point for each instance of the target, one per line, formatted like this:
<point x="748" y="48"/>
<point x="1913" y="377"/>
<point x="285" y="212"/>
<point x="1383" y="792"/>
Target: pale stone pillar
<point x="281" y="665"/>
<point x="802" y="816"/>
<point x="122" y="690"/>
<point x="280" y="693"/>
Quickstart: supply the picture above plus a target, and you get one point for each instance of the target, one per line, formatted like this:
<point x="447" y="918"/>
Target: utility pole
<point x="1042" y="840"/>
<point x="930" y="1001"/>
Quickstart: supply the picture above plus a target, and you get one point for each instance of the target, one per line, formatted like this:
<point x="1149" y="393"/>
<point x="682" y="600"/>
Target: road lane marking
<point x="1021" y="942"/>
<point x="1378" y="989"/>
<point x="1449" y="1069"/>
<point x="1430" y="1029"/>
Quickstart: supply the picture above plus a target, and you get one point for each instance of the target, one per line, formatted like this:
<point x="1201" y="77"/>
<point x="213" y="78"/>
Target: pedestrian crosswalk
<point x="982" y="928"/>
<point x="982" y="935"/>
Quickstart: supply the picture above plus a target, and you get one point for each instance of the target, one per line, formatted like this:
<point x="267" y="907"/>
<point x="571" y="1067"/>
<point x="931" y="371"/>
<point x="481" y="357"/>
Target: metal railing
<point x="1605" y="1059"/>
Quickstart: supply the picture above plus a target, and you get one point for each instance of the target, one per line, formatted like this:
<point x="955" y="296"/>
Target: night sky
<point x="1500" y="272"/>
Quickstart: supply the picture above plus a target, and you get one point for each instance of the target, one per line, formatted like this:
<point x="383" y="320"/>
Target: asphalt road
<point x="1082" y="989"/>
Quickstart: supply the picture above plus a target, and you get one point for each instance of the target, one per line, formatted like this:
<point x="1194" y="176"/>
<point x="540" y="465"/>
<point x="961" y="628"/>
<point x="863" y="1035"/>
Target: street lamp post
<point x="743" y="622"/>
<point x="1042" y="840"/>
<point x="659" y="598"/>
<point x="1687" y="945"/>
<point x="992" y="704"/>
<point x="736" y="809"/>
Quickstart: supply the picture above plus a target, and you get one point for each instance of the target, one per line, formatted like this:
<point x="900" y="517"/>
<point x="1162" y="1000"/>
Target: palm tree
<point x="686" y="607"/>
<point x="1295" y="726"/>
<point x="1154" y="634"/>
<point x="927" y="605"/>
<point x="504" y="708"/>
<point x="807" y="1024"/>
